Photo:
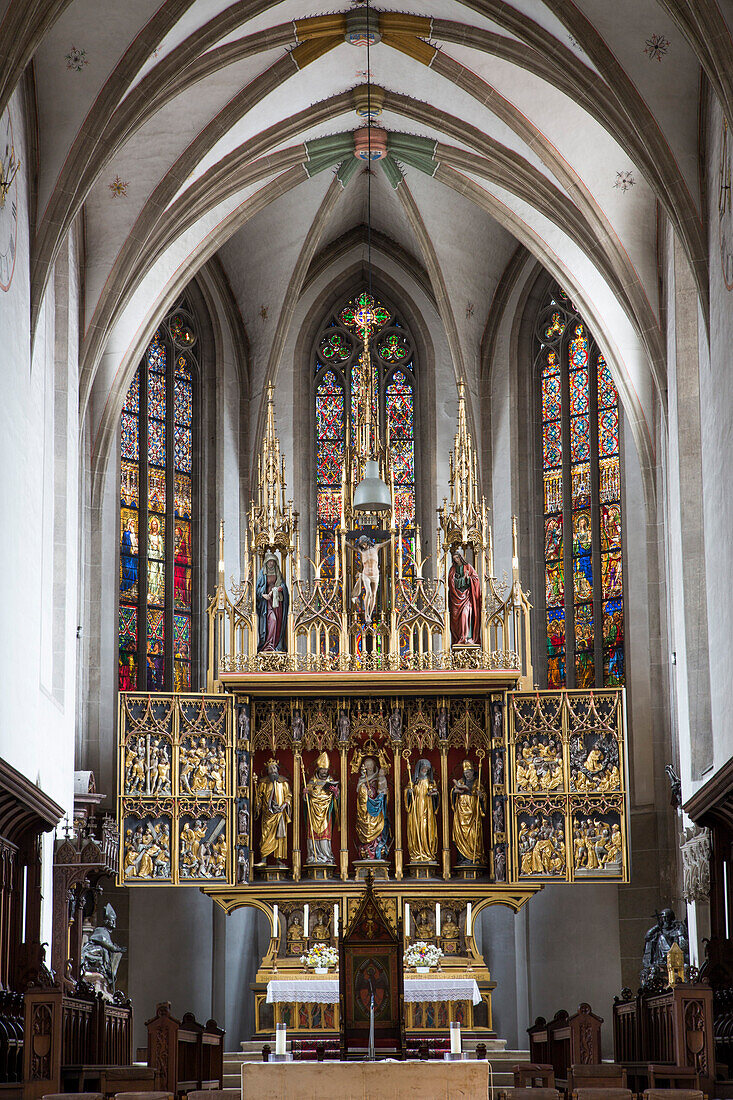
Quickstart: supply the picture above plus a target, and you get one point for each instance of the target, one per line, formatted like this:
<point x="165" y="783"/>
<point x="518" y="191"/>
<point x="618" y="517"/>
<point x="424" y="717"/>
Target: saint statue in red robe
<point x="464" y="601"/>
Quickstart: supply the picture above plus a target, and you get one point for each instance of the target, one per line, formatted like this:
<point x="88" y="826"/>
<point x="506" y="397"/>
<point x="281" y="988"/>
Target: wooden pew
<point x="189" y="1055"/>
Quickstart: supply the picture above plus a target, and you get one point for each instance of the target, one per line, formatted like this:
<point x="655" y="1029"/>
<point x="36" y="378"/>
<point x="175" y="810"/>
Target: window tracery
<point x="582" y="506"/>
<point x="340" y="394"/>
<point x="156" y="535"/>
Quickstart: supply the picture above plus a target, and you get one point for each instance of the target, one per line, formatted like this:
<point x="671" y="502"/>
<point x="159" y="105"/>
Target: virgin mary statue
<point x="272" y="607"/>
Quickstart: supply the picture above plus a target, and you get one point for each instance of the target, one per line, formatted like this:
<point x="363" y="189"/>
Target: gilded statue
<point x="468" y="799"/>
<point x="372" y="810"/>
<point x="449" y="934"/>
<point x="421" y="803"/>
<point x="273" y="805"/>
<point x="595" y="770"/>
<point x="539" y="765"/>
<point x="321" y="797"/>
<point x="296" y="937"/>
<point x="147" y="851"/>
<point x="202" y="857"/>
<point x="596" y="844"/>
<point x="320" y="931"/>
<point x="423" y="926"/>
<point x="542" y="847"/>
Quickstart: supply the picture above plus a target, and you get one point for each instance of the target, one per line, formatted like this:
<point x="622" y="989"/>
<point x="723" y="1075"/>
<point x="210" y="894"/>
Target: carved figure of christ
<point x="368" y="579"/>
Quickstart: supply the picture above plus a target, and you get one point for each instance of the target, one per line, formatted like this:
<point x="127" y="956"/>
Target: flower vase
<point x="422" y="969"/>
<point x="320" y="969"/>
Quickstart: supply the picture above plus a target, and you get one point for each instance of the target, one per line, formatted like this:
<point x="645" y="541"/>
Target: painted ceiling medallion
<point x="362" y="27"/>
<point x="369" y="101"/>
<point x="624" y="180"/>
<point x="656" y="47"/>
<point x="118" y="187"/>
<point x="76" y="59"/>
<point x="368" y="147"/>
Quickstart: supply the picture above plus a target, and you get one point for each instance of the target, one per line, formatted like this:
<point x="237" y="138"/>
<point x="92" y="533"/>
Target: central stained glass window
<point x="156" y="535"/>
<point x="340" y="393"/>
<point x="582" y="515"/>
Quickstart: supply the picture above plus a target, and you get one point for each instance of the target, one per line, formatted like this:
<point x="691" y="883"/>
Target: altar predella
<point x="371" y="710"/>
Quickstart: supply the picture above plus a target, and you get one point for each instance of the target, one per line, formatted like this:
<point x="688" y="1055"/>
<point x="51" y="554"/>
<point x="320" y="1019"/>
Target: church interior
<point x="365" y="395"/>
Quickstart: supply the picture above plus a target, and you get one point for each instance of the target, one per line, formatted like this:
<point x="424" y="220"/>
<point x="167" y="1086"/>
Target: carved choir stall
<point x="365" y="718"/>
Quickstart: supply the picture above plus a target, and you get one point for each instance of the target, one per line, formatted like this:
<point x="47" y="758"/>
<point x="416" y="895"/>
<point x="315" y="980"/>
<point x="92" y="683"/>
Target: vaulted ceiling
<point x="189" y="128"/>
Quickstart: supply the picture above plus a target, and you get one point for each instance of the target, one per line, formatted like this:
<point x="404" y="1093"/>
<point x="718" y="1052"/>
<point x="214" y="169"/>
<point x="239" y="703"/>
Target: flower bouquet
<point x="422" y="956"/>
<point x="320" y="957"/>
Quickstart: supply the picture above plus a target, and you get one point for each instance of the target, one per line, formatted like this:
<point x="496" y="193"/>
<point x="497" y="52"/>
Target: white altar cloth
<point x="325" y="991"/>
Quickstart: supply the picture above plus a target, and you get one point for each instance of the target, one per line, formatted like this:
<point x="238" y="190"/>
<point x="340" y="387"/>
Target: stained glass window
<point x="156" y="555"/>
<point x="582" y="503"/>
<point x="340" y="386"/>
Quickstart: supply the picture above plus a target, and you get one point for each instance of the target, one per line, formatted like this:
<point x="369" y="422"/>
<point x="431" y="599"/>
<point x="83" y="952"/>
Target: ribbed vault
<point x="566" y="128"/>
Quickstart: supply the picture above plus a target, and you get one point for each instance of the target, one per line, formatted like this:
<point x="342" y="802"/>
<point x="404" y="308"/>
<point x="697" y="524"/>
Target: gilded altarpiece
<point x="568" y="790"/>
<point x="175" y="789"/>
<point x="368" y="722"/>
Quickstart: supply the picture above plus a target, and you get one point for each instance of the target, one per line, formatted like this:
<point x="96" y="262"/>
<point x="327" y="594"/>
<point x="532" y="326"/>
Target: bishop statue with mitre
<point x="321" y="797"/>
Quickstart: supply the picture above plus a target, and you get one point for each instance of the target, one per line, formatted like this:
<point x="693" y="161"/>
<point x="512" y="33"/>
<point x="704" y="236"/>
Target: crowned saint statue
<point x="272" y="607"/>
<point x="468" y="799"/>
<point x="273" y="804"/>
<point x="372" y="812"/>
<point x="321" y="797"/>
<point x="464" y="601"/>
<point x="421" y="803"/>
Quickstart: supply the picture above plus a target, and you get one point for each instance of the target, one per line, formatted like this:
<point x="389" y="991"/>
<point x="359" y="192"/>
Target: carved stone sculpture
<point x="695" y="848"/>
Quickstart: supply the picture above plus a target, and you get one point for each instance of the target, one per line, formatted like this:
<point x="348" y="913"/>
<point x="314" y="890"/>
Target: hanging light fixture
<point x="372" y="493"/>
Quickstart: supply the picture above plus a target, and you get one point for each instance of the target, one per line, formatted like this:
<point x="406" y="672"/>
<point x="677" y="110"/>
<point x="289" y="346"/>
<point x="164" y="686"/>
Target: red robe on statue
<point x="465" y="606"/>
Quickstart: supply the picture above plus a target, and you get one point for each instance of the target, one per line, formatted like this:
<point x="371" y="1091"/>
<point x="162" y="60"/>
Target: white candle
<point x="407" y="920"/>
<point x="306" y="911"/>
<point x="281" y="1038"/>
<point x="437" y="919"/>
<point x="335" y="920"/>
<point x="274" y="919"/>
<point x="468" y="919"/>
<point x="455" y="1037"/>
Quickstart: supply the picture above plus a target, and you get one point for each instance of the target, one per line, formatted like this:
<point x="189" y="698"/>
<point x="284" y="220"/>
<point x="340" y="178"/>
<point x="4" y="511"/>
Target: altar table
<point x="325" y="991"/>
<point x="365" y="1080"/>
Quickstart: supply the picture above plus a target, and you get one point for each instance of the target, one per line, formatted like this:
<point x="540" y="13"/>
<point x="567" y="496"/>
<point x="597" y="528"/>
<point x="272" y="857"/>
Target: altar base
<point x="364" y="1080"/>
<point x="378" y="867"/>
<point x="423" y="870"/>
<point x="322" y="871"/>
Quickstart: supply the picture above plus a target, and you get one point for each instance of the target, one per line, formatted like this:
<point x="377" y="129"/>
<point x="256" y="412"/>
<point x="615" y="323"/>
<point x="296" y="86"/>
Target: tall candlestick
<point x="437" y="920"/>
<point x="468" y="919"/>
<point x="274" y="919"/>
<point x="407" y="920"/>
<point x="335" y="920"/>
<point x="305" y="919"/>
